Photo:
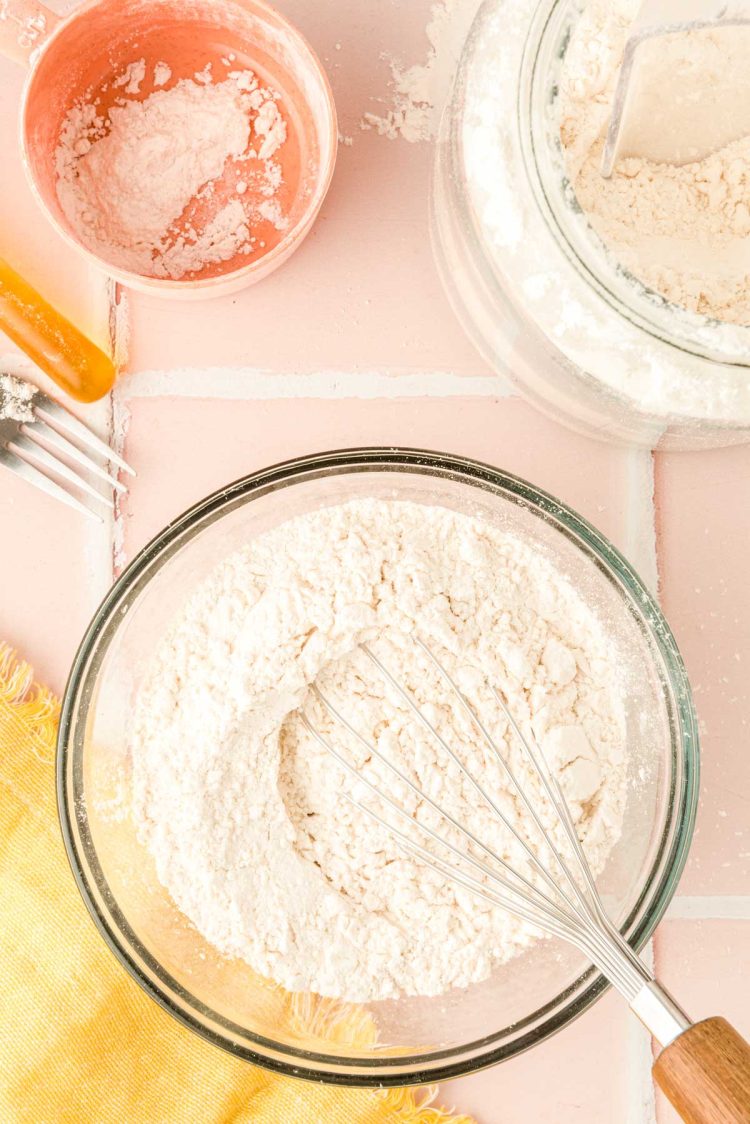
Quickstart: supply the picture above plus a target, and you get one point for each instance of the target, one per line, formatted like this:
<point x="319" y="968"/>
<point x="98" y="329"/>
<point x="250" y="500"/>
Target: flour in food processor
<point x="245" y="814"/>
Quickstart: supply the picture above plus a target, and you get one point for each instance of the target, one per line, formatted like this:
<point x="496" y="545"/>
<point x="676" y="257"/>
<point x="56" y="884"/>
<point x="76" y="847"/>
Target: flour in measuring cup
<point x="159" y="186"/>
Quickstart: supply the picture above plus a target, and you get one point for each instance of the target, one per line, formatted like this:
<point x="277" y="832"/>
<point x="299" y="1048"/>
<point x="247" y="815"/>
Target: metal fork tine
<point x="74" y="426"/>
<point x="28" y="444"/>
<point x="68" y="449"/>
<point x="40" y="480"/>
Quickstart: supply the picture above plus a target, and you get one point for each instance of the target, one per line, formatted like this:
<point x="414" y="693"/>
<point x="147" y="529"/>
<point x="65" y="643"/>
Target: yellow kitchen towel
<point x="81" y="1042"/>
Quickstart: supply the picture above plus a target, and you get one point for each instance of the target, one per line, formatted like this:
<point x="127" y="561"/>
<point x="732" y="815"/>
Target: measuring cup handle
<point x="24" y="25"/>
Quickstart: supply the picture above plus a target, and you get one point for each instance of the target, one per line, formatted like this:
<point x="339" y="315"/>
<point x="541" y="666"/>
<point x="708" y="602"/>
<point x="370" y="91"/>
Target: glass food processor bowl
<point x="536" y="289"/>
<point x="408" y="1040"/>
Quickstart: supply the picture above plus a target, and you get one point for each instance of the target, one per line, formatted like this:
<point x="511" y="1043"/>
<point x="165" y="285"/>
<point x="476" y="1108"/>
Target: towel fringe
<point x="333" y="1020"/>
<point x="28" y="702"/>
<point x="415" y="1106"/>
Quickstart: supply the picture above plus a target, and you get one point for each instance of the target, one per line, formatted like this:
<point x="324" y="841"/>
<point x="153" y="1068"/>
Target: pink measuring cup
<point x="72" y="56"/>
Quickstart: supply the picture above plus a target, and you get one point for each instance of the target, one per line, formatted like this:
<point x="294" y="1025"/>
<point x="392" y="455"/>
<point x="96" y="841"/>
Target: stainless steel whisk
<point x="704" y="1067"/>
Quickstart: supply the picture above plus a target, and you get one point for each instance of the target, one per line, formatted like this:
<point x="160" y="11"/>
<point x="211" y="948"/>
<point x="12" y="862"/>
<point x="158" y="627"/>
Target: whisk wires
<point x="564" y="901"/>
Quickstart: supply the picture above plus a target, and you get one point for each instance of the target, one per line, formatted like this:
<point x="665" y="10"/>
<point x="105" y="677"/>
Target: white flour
<point x="420" y="90"/>
<point x="681" y="228"/>
<point x="245" y="814"/>
<point x="134" y="186"/>
<point x="16" y="399"/>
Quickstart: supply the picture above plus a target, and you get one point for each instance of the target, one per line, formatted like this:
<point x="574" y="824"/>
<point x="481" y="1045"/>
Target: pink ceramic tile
<point x="704" y="528"/>
<point x="51" y="579"/>
<point x="343" y="36"/>
<point x="580" y="1075"/>
<point x="344" y="301"/>
<point x="706" y="964"/>
<point x="235" y="437"/>
<point x="362" y="294"/>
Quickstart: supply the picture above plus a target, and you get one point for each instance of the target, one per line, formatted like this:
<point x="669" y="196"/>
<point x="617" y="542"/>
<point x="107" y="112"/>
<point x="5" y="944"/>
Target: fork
<point x="38" y="437"/>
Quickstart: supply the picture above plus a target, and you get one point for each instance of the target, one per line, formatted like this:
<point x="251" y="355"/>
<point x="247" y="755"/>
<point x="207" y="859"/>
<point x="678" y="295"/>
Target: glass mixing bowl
<point x="534" y="286"/>
<point x="418" y="1040"/>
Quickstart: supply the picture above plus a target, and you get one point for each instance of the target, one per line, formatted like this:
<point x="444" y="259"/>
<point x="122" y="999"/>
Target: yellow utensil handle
<point x="705" y="1073"/>
<point x="65" y="354"/>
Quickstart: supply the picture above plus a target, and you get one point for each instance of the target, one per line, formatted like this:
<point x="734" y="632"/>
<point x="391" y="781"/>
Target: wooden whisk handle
<point x="705" y="1073"/>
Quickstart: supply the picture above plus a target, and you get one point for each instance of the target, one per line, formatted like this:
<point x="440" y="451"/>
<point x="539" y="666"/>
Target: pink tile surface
<point x="49" y="586"/>
<point x="704" y="528"/>
<point x="706" y="964"/>
<point x="579" y="1075"/>
<point x="27" y="241"/>
<point x="362" y="292"/>
<point x="235" y="438"/>
<point x="379" y="306"/>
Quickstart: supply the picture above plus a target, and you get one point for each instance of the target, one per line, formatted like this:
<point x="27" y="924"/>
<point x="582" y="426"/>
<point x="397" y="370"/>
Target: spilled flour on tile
<point x="247" y="816"/>
<point x="420" y="90"/>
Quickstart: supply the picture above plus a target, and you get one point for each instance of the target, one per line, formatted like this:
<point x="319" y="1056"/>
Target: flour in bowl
<point x="246" y="815"/>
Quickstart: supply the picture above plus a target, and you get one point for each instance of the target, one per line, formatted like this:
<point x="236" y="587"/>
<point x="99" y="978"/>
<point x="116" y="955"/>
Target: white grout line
<point x="641" y="1098"/>
<point x="723" y="907"/>
<point x="97" y="555"/>
<point x="640" y="518"/>
<point x="255" y="385"/>
<point x="101" y="541"/>
<point x="119" y="325"/>
<point x="640" y="547"/>
<point x="120" y="424"/>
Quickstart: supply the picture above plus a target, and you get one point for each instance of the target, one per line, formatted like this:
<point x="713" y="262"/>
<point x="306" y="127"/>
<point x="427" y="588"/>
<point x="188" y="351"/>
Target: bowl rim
<point x="387" y="1070"/>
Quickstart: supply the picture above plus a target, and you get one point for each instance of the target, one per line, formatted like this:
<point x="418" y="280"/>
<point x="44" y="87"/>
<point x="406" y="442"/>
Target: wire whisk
<point x="562" y="900"/>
